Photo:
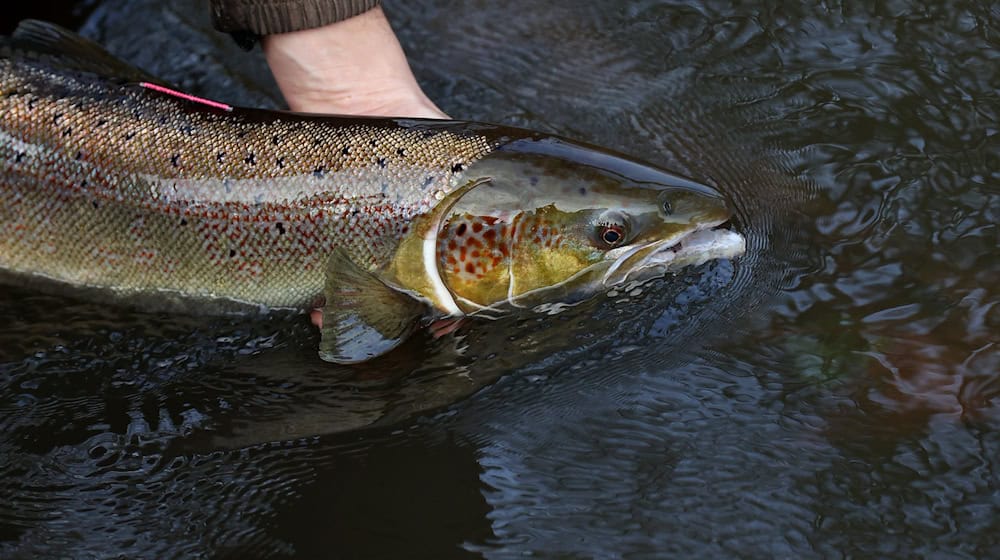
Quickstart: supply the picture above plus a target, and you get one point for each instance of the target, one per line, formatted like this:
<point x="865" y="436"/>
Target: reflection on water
<point x="832" y="393"/>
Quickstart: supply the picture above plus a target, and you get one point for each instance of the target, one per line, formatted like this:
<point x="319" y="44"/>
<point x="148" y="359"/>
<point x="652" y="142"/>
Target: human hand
<point x="351" y="67"/>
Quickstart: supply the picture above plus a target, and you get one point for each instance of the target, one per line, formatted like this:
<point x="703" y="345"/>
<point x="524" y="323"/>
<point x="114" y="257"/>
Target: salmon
<point x="118" y="186"/>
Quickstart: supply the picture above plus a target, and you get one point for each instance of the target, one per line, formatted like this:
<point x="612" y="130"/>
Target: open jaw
<point x="655" y="259"/>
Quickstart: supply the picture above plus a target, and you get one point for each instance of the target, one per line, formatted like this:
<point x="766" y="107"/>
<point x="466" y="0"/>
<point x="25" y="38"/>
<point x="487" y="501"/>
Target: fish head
<point x="552" y="221"/>
<point x="537" y="221"/>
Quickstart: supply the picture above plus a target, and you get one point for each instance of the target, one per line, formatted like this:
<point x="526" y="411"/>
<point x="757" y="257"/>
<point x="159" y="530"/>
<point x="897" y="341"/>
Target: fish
<point x="119" y="187"/>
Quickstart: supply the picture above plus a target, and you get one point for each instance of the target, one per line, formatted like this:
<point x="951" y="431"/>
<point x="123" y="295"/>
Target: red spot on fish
<point x="461" y="230"/>
<point x="545" y="231"/>
<point x="477" y="227"/>
<point x="473" y="242"/>
<point x="452" y="245"/>
<point x="451" y="260"/>
<point x="475" y="253"/>
<point x="470" y="268"/>
<point x="490" y="234"/>
<point x="461" y="254"/>
<point x="537" y="240"/>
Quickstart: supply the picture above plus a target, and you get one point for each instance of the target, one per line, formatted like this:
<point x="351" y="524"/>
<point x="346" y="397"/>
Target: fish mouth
<point x="696" y="247"/>
<point x="640" y="263"/>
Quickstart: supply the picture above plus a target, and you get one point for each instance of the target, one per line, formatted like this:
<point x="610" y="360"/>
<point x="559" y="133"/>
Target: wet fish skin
<point x="116" y="185"/>
<point x="108" y="184"/>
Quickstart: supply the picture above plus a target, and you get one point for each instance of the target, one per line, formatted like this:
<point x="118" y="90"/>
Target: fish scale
<point x="133" y="190"/>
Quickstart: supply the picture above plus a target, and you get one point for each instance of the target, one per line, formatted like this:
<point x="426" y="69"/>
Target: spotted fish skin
<point x="108" y="184"/>
<point x="476" y="251"/>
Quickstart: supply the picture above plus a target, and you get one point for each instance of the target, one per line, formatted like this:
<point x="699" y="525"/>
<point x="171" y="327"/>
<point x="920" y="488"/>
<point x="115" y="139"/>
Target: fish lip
<point x="613" y="277"/>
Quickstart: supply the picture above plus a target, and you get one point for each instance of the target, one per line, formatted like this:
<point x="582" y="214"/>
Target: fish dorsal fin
<point x="363" y="317"/>
<point x="60" y="46"/>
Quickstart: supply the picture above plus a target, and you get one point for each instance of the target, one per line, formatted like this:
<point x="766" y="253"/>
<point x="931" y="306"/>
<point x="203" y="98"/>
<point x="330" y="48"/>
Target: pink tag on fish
<point x="187" y="96"/>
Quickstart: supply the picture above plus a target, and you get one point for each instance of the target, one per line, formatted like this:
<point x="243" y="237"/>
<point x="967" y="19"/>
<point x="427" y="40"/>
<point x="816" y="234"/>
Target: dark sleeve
<point x="267" y="17"/>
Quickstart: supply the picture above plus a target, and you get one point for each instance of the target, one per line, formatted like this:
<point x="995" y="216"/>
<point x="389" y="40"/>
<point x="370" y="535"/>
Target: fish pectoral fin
<point x="363" y="317"/>
<point x="69" y="50"/>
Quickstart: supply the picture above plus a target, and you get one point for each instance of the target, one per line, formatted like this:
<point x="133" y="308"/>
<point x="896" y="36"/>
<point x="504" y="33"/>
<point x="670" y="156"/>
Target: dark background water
<point x="832" y="394"/>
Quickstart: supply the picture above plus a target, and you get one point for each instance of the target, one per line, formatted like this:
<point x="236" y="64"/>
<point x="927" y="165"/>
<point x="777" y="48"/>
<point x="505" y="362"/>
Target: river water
<point x="833" y="393"/>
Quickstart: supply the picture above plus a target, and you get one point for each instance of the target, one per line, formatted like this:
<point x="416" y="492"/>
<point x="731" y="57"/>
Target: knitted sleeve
<point x="267" y="17"/>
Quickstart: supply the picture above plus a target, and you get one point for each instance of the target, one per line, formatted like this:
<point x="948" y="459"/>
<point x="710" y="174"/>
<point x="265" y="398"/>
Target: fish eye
<point x="612" y="235"/>
<point x="611" y="229"/>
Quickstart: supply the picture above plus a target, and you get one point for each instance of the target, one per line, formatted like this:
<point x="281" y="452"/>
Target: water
<point x="832" y="394"/>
